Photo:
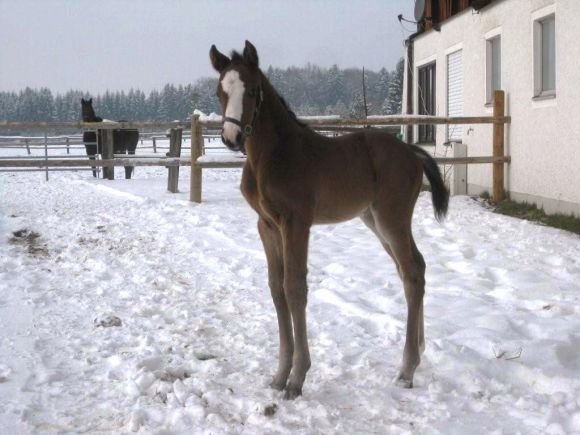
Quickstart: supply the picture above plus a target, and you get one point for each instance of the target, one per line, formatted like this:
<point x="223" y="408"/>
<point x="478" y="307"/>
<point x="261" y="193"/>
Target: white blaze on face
<point x="234" y="88"/>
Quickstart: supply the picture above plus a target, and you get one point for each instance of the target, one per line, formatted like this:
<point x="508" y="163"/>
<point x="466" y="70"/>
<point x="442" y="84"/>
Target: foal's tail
<point x="439" y="192"/>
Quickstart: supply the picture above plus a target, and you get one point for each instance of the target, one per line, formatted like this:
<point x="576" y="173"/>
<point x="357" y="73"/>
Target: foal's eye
<point x="251" y="93"/>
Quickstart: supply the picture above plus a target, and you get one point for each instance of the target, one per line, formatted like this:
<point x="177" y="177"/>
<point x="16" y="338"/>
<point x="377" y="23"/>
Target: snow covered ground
<point x="126" y="308"/>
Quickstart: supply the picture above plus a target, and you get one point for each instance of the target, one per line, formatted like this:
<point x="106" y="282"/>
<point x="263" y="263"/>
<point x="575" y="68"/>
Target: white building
<point x="531" y="50"/>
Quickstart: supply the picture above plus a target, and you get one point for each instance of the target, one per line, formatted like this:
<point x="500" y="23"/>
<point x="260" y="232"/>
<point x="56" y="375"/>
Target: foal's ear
<point x="90" y="101"/>
<point x="219" y="60"/>
<point x="251" y="54"/>
<point x="83" y="101"/>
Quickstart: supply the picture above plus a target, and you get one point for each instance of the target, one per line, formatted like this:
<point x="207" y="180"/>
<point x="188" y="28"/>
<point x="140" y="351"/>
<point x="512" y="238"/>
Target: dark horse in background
<point x="124" y="140"/>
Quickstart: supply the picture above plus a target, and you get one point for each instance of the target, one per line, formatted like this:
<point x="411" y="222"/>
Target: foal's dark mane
<point x="237" y="59"/>
<point x="290" y="112"/>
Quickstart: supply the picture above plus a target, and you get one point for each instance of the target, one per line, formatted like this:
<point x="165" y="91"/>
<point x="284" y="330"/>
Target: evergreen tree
<point x="8" y="101"/>
<point x="208" y="101"/>
<point x="357" y="108"/>
<point x="140" y="106"/>
<point x="393" y="103"/>
<point x="381" y="88"/>
<point x="70" y="109"/>
<point x="131" y="105"/>
<point x="310" y="90"/>
<point x="45" y="105"/>
<point x="335" y="89"/>
<point x="105" y="103"/>
<point x="275" y="77"/>
<point x="153" y="105"/>
<point x="168" y="100"/>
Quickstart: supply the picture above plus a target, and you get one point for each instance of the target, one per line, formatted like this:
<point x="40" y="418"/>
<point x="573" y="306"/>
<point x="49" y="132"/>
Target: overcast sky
<point x="98" y="45"/>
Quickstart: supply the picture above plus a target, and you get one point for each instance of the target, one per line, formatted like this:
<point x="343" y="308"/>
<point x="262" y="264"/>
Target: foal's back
<point x="352" y="172"/>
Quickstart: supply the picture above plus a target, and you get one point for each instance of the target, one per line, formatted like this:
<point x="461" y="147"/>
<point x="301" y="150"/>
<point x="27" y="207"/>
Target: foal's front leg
<point x="272" y="242"/>
<point x="295" y="234"/>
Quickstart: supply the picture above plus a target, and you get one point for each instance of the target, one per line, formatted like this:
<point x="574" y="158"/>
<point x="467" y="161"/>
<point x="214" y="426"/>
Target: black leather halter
<point x="248" y="129"/>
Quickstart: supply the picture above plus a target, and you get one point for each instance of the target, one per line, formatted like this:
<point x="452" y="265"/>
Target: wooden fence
<point x="498" y="157"/>
<point x="198" y="162"/>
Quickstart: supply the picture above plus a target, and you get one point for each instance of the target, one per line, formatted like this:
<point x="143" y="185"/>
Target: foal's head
<point x="87" y="110"/>
<point x="240" y="93"/>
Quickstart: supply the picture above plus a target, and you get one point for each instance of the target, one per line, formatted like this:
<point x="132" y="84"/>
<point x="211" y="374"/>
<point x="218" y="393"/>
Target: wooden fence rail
<point x="322" y="121"/>
<point x="107" y="163"/>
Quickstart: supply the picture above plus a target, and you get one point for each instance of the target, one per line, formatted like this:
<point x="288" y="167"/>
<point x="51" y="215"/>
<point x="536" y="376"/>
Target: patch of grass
<point x="531" y="212"/>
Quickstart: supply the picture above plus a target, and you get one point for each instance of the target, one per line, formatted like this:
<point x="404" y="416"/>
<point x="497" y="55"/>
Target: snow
<point x="223" y="158"/>
<point x="212" y="117"/>
<point x="136" y="310"/>
<point x="320" y="117"/>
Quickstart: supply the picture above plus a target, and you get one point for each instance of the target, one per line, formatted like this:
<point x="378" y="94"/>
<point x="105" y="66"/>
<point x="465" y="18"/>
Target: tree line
<point x="309" y="90"/>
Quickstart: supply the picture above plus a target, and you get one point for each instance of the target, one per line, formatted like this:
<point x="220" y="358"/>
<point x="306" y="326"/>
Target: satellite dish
<point x="419" y="10"/>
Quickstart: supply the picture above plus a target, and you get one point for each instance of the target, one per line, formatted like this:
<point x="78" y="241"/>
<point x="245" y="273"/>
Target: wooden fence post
<point x="174" y="151"/>
<point x="154" y="145"/>
<point x="196" y="151"/>
<point x="106" y="138"/>
<point x="498" y="194"/>
<point x="67" y="145"/>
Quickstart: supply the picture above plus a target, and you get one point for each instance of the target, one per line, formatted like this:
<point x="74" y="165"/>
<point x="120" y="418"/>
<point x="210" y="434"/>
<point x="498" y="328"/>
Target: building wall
<point x="544" y="135"/>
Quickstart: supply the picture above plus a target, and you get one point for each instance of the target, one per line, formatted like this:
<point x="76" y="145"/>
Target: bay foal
<point x="295" y="178"/>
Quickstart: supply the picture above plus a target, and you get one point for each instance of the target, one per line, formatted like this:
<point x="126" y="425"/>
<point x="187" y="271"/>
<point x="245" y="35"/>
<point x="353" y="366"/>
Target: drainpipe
<point x="408" y="109"/>
<point x="409" y="103"/>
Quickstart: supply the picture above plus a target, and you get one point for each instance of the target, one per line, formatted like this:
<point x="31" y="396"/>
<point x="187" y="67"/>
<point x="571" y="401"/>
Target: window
<point x="426" y="103"/>
<point x="545" y="56"/>
<point x="493" y="67"/>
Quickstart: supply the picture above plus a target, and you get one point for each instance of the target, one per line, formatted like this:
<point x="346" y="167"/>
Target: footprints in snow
<point x="31" y="241"/>
<point x="107" y="321"/>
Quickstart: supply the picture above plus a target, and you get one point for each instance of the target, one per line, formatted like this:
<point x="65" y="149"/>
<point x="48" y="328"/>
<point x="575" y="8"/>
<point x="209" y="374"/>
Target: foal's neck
<point x="275" y="122"/>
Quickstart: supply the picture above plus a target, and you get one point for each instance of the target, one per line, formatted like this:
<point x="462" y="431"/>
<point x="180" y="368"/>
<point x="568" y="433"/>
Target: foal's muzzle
<point x="238" y="145"/>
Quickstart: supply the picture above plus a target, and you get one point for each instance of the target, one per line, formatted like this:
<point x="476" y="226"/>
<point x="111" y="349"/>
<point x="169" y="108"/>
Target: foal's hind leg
<point x="369" y="220"/>
<point x="419" y="258"/>
<point x="412" y="271"/>
<point x="272" y="242"/>
<point x="413" y="276"/>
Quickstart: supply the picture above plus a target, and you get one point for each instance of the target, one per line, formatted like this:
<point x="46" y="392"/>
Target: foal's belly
<point x="343" y="195"/>
<point x="331" y="212"/>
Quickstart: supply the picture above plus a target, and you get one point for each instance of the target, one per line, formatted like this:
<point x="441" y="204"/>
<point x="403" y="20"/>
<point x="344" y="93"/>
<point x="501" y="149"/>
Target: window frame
<point x="427" y="133"/>
<point x="539" y="20"/>
<point x="490" y="64"/>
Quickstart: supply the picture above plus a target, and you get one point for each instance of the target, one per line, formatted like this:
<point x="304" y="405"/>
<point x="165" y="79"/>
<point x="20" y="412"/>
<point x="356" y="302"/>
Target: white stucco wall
<point x="544" y="136"/>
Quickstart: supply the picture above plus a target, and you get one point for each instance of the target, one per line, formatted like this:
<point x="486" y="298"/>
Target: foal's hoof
<point x="292" y="392"/>
<point x="277" y="384"/>
<point x="401" y="382"/>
